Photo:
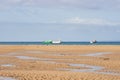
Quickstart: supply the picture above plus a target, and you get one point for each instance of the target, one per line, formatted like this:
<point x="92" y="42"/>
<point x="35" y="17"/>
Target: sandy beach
<point x="59" y="62"/>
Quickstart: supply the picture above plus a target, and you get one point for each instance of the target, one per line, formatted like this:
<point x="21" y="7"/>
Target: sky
<point x="66" y="20"/>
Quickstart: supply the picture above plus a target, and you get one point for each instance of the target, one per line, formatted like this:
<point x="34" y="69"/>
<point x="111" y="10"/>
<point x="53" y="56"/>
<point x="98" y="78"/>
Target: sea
<point x="62" y="43"/>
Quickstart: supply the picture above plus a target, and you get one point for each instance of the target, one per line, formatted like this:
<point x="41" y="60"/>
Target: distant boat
<point x="93" y="41"/>
<point x="56" y="41"/>
<point x="52" y="42"/>
<point x="47" y="42"/>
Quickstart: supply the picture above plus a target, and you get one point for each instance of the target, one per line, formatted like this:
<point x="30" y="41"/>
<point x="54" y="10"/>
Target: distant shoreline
<point x="62" y="43"/>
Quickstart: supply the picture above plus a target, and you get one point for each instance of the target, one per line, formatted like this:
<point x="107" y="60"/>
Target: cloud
<point x="87" y="4"/>
<point x="77" y="20"/>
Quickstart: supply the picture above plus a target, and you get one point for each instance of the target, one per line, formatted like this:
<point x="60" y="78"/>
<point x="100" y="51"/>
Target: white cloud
<point x="77" y="20"/>
<point x="88" y="4"/>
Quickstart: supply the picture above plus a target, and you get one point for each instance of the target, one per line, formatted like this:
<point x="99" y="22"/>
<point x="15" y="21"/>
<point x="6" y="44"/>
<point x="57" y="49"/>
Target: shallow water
<point x="96" y="54"/>
<point x="42" y="59"/>
<point x="8" y="65"/>
<point x="27" y="57"/>
<point x="51" y="62"/>
<point x="34" y="58"/>
<point x="90" y="68"/>
<point x="6" y="78"/>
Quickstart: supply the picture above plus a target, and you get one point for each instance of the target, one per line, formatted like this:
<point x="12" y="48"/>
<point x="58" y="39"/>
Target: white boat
<point x="93" y="41"/>
<point x="56" y="41"/>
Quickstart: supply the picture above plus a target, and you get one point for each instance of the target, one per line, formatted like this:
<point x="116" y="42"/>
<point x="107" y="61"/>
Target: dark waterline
<point x="63" y="43"/>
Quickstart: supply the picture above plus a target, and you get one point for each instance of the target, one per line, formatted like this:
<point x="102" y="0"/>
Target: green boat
<point x="47" y="42"/>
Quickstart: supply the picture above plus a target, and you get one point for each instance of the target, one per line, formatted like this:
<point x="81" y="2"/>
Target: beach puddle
<point x="50" y="62"/>
<point x="42" y="59"/>
<point x="26" y="57"/>
<point x="8" y="65"/>
<point x="109" y="73"/>
<point x="6" y="78"/>
<point x="96" y="54"/>
<point x="90" y="68"/>
<point x="34" y="58"/>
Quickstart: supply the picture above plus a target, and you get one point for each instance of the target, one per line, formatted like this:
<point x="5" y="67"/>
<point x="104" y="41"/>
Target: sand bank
<point x="57" y="62"/>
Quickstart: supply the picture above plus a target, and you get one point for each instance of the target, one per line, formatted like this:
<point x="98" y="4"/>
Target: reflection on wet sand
<point x="99" y="54"/>
<point x="60" y="62"/>
<point x="7" y="65"/>
<point x="27" y="57"/>
<point x="90" y="68"/>
<point x="6" y="78"/>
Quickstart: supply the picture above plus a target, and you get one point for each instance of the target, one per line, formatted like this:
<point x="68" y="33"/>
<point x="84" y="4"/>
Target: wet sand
<point x="60" y="62"/>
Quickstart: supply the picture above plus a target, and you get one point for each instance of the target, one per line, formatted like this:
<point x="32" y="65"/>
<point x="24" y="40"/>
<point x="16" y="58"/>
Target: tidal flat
<point x="60" y="62"/>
